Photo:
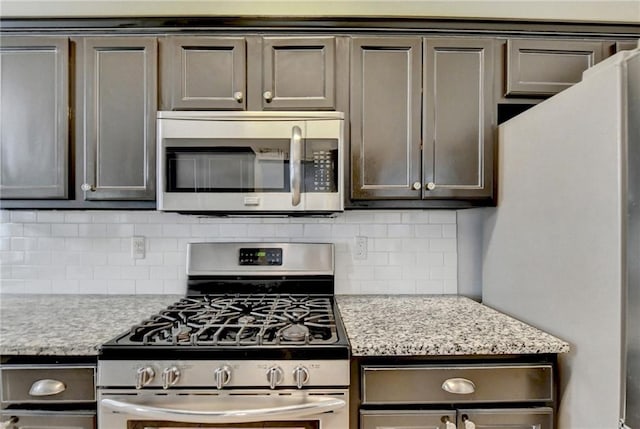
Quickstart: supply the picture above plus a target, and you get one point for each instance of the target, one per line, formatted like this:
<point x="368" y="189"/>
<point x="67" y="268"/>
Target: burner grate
<point x="240" y="320"/>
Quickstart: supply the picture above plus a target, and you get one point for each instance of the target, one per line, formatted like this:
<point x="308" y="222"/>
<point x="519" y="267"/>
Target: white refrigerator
<point x="561" y="249"/>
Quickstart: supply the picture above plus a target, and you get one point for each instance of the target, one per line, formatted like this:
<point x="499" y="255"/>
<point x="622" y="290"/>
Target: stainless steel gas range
<point x="257" y="342"/>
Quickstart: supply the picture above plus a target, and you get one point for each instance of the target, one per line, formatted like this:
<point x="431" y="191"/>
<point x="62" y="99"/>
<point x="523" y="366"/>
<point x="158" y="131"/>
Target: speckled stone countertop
<point x="396" y="325"/>
<point x="405" y="325"/>
<point x="70" y="325"/>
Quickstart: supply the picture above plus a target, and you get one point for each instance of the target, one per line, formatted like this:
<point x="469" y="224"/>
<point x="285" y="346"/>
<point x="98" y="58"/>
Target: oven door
<point x="299" y="409"/>
<point x="234" y="165"/>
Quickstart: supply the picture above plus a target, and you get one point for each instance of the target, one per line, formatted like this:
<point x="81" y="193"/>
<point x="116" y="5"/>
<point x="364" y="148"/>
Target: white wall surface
<point x="575" y="10"/>
<point x="90" y="251"/>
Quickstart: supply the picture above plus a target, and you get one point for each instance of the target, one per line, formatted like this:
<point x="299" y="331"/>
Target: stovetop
<point x="237" y="326"/>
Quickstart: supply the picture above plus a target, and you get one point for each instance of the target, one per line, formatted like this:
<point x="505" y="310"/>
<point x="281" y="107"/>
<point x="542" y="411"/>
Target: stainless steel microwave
<point x="248" y="162"/>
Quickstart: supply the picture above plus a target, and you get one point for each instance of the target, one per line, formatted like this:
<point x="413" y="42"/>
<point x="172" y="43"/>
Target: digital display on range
<point x="260" y="256"/>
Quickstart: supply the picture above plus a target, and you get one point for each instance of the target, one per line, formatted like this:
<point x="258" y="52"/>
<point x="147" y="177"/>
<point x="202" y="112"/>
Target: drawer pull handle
<point x="47" y="387"/>
<point x="459" y="386"/>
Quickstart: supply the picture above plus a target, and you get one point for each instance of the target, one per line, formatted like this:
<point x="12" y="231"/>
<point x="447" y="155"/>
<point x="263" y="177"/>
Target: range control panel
<point x="260" y="256"/>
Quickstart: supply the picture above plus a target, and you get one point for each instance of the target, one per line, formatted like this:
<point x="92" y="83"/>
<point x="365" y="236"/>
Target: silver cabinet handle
<point x="47" y="387"/>
<point x="222" y="376"/>
<point x="268" y="96"/>
<point x="238" y="96"/>
<point x="9" y="424"/>
<point x="87" y="187"/>
<point x="430" y="186"/>
<point x="459" y="386"/>
<point x="232" y="409"/>
<point x="468" y="424"/>
<point x="417" y="185"/>
<point x="295" y="155"/>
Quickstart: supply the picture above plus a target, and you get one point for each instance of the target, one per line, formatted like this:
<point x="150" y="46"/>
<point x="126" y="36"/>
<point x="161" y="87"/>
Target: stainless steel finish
<point x="301" y="376"/>
<point x="459" y="386"/>
<point x="170" y="376"/>
<point x="47" y="387"/>
<point x="119" y="125"/>
<point x="34" y="124"/>
<point x="545" y="67"/>
<point x="199" y="127"/>
<point x="295" y="153"/>
<point x="327" y="406"/>
<point x="632" y="252"/>
<point x="86" y="187"/>
<point x="17" y="382"/>
<point x="268" y="96"/>
<point x="238" y="96"/>
<point x="222" y="376"/>
<point x="417" y="186"/>
<point x="423" y="384"/>
<point x="222" y="259"/>
<point x="275" y="376"/>
<point x="144" y="376"/>
<point x="200" y="373"/>
<point x="430" y="186"/>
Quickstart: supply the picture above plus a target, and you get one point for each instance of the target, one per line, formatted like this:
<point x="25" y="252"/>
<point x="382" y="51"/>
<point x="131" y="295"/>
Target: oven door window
<point x="213" y="166"/>
<point x="258" y="425"/>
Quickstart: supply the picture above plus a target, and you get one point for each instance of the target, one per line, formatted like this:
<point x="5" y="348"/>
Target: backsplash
<point x="90" y="252"/>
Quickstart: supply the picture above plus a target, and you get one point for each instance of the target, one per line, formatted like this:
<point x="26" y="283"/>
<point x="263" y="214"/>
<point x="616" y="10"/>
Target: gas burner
<point x="246" y="319"/>
<point x="295" y="333"/>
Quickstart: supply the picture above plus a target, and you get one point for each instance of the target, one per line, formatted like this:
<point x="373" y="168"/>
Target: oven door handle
<point x="295" y="156"/>
<point x="309" y="407"/>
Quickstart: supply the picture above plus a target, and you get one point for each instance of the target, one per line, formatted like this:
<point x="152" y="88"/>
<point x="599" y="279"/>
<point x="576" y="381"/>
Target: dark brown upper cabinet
<point x="543" y="67"/>
<point x="249" y="73"/>
<point x="423" y="121"/>
<point x="34" y="117"/>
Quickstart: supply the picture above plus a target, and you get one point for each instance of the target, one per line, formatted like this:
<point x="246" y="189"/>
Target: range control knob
<point x="144" y="376"/>
<point x="170" y="376"/>
<point x="222" y="376"/>
<point x="300" y="376"/>
<point x="275" y="375"/>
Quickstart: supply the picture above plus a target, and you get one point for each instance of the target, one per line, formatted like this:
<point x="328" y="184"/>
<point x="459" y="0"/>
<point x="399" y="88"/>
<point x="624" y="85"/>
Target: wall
<point x="90" y="251"/>
<point x="558" y="10"/>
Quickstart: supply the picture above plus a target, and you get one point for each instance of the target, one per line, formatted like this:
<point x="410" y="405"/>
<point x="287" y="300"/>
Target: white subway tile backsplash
<point x="90" y="251"/>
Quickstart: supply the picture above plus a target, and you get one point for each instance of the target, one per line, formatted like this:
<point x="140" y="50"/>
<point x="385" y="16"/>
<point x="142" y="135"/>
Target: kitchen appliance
<point x="234" y="162"/>
<point x="562" y="248"/>
<point x="257" y="342"/>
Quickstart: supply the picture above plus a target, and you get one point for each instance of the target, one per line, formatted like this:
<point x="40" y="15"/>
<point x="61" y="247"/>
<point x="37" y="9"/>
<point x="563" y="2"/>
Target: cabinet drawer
<point x="456" y="384"/>
<point x="546" y="67"/>
<point x="27" y="419"/>
<point x="38" y="384"/>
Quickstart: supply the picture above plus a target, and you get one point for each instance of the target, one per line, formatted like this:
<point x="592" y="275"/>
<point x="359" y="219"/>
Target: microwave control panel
<point x="320" y="173"/>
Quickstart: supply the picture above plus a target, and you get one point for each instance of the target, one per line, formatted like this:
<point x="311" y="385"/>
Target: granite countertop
<point x="396" y="325"/>
<point x="406" y="325"/>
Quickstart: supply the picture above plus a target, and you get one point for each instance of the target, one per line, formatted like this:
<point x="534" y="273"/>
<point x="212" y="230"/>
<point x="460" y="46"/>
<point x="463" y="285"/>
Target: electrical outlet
<point x="361" y="248"/>
<point x="137" y="247"/>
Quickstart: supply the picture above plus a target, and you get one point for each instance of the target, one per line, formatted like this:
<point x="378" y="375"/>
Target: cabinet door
<point x="458" y="118"/>
<point x="34" y="117"/>
<point x="120" y="99"/>
<point x="298" y="73"/>
<point x="385" y="118"/>
<point x="398" y="419"/>
<point x="518" y="418"/>
<point x="205" y="72"/>
<point x="545" y="67"/>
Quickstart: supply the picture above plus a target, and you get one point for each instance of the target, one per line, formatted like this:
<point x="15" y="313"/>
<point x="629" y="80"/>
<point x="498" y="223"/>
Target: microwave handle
<point x="295" y="155"/>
